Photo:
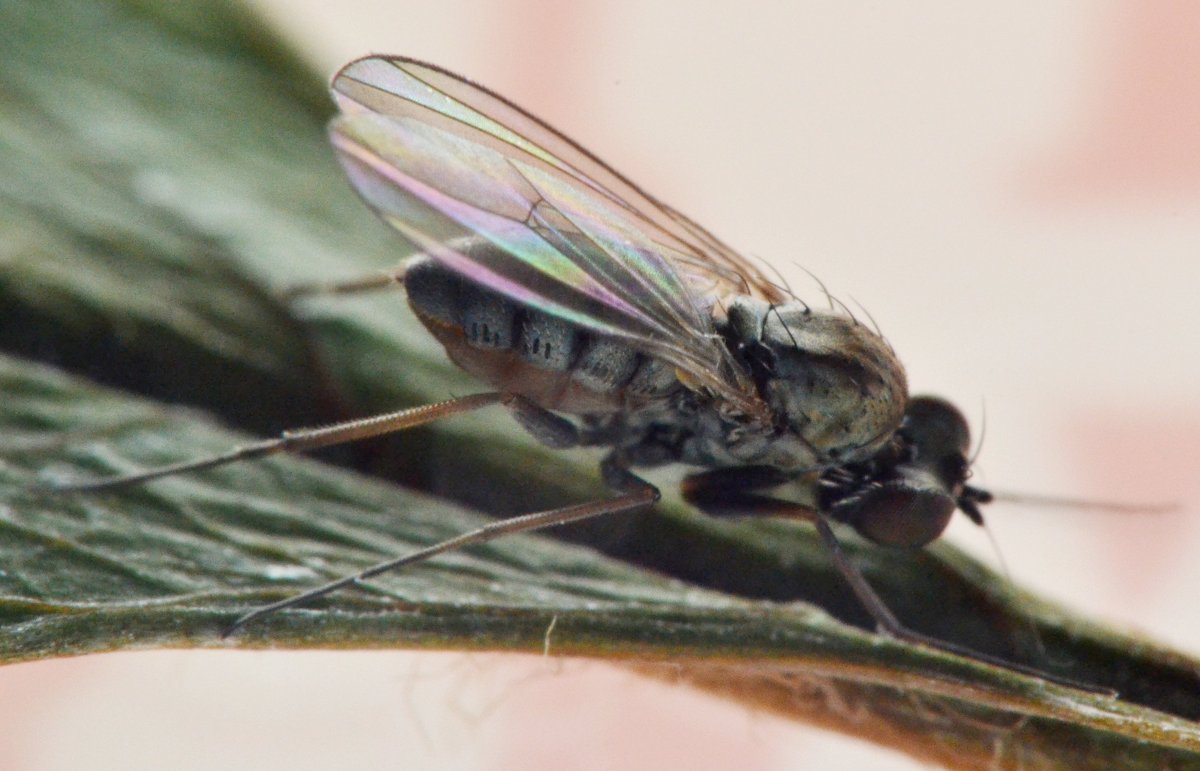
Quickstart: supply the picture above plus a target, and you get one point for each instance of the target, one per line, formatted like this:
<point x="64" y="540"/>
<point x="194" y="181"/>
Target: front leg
<point x="735" y="492"/>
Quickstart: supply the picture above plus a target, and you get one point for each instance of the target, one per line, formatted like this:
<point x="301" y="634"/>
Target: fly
<point x="601" y="317"/>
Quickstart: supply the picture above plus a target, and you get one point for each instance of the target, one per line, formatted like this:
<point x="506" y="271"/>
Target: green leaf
<point x="165" y="173"/>
<point x="173" y="562"/>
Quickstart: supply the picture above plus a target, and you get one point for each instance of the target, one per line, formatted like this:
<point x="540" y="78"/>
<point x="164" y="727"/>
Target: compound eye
<point x="898" y="514"/>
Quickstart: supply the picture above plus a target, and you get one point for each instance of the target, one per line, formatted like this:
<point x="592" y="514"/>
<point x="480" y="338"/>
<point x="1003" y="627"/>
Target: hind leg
<point x="384" y="279"/>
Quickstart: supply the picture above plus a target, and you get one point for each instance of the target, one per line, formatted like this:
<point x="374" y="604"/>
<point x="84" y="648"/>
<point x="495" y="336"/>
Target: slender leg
<point x="548" y="428"/>
<point x="303" y="439"/>
<point x="384" y="279"/>
<point x="636" y="493"/>
<point x="729" y="493"/>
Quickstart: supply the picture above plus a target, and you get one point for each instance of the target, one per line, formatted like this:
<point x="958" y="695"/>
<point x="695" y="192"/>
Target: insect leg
<point x="729" y="493"/>
<point x="303" y="439"/>
<point x="543" y="425"/>
<point x="371" y="282"/>
<point x="887" y="623"/>
<point x="636" y="493"/>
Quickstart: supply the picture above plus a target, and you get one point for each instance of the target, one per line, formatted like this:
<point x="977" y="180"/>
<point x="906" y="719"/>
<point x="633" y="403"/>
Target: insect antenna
<point x="1064" y="502"/>
<point x="968" y="505"/>
<point x="1060" y="502"/>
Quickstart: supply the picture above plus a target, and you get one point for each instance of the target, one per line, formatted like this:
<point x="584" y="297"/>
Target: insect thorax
<point x="826" y="378"/>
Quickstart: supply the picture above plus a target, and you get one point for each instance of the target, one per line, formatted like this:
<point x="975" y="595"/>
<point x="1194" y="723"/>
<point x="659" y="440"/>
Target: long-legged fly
<point x="600" y="316"/>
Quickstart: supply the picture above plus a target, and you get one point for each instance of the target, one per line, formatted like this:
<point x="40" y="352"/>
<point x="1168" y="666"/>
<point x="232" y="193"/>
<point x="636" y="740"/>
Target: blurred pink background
<point x="1012" y="190"/>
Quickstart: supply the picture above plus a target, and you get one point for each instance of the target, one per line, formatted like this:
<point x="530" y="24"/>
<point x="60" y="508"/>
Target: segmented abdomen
<point x="557" y="364"/>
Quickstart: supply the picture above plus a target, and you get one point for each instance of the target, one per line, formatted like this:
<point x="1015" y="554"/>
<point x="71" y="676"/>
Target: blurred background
<point x="1011" y="190"/>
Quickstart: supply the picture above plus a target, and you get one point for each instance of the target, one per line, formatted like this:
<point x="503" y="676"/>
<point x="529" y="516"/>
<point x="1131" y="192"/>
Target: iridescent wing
<point x="444" y="161"/>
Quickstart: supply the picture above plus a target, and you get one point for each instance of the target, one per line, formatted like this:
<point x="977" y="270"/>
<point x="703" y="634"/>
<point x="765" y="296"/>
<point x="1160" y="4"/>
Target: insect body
<point x="832" y="390"/>
<point x="602" y="317"/>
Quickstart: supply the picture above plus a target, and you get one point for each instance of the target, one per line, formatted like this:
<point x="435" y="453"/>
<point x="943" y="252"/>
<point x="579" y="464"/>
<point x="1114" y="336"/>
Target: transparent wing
<point x="444" y="161"/>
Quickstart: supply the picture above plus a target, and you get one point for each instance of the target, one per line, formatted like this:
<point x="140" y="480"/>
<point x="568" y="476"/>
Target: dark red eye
<point x="903" y="514"/>
<point x="909" y="510"/>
